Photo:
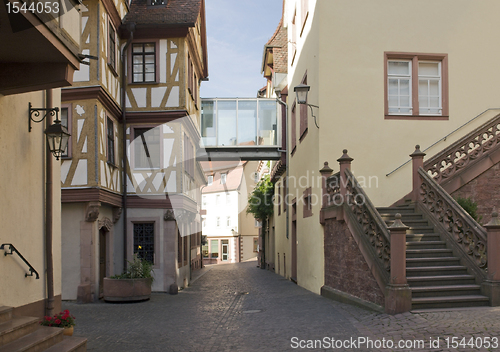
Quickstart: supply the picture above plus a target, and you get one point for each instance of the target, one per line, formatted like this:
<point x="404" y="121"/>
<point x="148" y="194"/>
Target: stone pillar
<point x="417" y="158"/>
<point x="491" y="286"/>
<point x="325" y="172"/>
<point x="345" y="163"/>
<point x="398" y="293"/>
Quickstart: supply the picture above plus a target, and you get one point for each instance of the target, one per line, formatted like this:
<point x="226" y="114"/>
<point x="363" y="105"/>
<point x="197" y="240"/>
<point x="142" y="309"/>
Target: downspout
<point x="131" y="29"/>
<point x="48" y="215"/>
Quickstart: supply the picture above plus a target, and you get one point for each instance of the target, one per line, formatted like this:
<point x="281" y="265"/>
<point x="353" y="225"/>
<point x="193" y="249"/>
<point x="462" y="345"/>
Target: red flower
<point x="58" y="321"/>
<point x="48" y="318"/>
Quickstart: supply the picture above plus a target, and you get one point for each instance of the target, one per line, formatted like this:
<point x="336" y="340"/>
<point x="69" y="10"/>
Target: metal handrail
<point x="13" y="249"/>
<point x="443" y="138"/>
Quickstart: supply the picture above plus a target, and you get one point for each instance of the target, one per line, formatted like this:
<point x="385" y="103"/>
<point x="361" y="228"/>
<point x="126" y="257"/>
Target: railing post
<point x="345" y="163"/>
<point x="325" y="172"/>
<point x="398" y="293"/>
<point x="491" y="286"/>
<point x="417" y="158"/>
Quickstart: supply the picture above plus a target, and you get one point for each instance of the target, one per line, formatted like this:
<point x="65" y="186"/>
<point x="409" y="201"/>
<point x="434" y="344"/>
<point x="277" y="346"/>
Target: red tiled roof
<point x="176" y="12"/>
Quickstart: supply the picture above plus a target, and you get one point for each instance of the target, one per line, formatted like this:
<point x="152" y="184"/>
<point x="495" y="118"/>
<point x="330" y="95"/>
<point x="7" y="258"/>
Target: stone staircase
<point x="25" y="334"/>
<point x="435" y="275"/>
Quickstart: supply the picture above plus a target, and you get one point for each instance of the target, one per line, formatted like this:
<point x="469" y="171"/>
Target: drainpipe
<point x="48" y="215"/>
<point x="131" y="29"/>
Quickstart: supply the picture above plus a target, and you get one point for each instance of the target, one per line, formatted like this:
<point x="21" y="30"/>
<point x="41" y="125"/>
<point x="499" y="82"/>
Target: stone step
<point x="409" y="222"/>
<point x="446" y="290"/>
<point x="450" y="302"/>
<point x="16" y="328"/>
<point x="70" y="344"/>
<point x="436" y="270"/>
<point x="426" y="244"/>
<point x="39" y="340"/>
<point x="437" y="261"/>
<point x="394" y="210"/>
<point x="417" y="230"/>
<point x="439" y="280"/>
<point x="428" y="253"/>
<point x="405" y="217"/>
<point x="423" y="237"/>
<point x="5" y="313"/>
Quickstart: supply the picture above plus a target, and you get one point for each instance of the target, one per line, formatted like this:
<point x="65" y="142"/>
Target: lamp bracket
<point x="34" y="114"/>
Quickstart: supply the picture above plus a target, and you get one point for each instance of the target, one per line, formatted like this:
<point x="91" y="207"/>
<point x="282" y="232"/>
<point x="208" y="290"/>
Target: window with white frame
<point x="228" y="198"/>
<point x="143" y="62"/>
<point x="217" y="199"/>
<point x="416" y="85"/>
<point x="223" y="178"/>
<point x="228" y="221"/>
<point x="111" y="141"/>
<point x="210" y="180"/>
<point x="218" y="222"/>
<point x="147" y="149"/>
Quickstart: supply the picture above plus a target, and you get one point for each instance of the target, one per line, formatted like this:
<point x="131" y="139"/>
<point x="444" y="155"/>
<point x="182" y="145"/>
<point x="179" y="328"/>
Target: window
<point x="255" y="177"/>
<point x="156" y="2"/>
<point x="192" y="81"/>
<point x="257" y="223"/>
<point x="218" y="222"/>
<point x="210" y="180"/>
<point x="255" y="244"/>
<point x="304" y="12"/>
<point x="204" y="222"/>
<point x="144" y="240"/>
<point x="416" y="86"/>
<point x="111" y="141"/>
<point x="294" y="36"/>
<point x="228" y="199"/>
<point x="294" y="128"/>
<point x="204" y="201"/>
<point x="223" y="179"/>
<point x="65" y="121"/>
<point x="228" y="221"/>
<point x="188" y="157"/>
<point x="204" y="251"/>
<point x="217" y="199"/>
<point x="147" y="148"/>
<point x="214" y="248"/>
<point x="303" y="114"/>
<point x="144" y="63"/>
<point x="112" y="46"/>
<point x="307" y="211"/>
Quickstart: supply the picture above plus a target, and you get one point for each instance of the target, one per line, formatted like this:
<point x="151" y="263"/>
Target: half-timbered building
<point x="130" y="179"/>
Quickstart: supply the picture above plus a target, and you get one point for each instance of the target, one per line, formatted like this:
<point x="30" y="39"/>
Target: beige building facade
<point x="31" y="211"/>
<point x="385" y="76"/>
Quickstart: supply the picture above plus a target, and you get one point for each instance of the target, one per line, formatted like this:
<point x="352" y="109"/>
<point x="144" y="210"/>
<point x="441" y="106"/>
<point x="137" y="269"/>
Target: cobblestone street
<point x="238" y="307"/>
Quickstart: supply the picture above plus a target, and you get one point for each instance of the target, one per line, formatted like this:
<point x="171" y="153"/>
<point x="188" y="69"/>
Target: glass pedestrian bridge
<point x="240" y="128"/>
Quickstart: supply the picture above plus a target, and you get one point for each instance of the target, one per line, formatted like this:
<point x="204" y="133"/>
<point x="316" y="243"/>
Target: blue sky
<point x="237" y="31"/>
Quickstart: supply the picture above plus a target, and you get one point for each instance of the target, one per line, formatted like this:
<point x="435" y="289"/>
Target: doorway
<point x="102" y="260"/>
<point x="225" y="250"/>
<point x="294" y="251"/>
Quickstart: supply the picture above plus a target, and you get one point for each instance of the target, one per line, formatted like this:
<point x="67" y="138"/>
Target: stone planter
<point x="126" y="290"/>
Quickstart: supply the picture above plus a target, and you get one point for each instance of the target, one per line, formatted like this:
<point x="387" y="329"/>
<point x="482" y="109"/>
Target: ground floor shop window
<point x="214" y="248"/>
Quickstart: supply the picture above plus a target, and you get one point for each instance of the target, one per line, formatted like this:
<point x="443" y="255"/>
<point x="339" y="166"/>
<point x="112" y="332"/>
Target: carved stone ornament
<point x="92" y="211"/>
<point x="105" y="223"/>
<point x="169" y="215"/>
<point x="117" y="212"/>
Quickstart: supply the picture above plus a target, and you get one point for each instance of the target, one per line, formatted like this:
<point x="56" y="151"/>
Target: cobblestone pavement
<point x="238" y="307"/>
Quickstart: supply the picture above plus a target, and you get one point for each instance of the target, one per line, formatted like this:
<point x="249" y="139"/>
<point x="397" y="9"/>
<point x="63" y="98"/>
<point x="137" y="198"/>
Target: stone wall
<point x="485" y="191"/>
<point x="345" y="267"/>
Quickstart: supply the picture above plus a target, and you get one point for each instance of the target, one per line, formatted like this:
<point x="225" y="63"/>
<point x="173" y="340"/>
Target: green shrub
<point x="138" y="268"/>
<point x="470" y="207"/>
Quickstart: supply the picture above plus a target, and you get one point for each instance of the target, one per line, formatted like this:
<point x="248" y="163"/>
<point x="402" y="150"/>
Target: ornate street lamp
<point x="57" y="134"/>
<point x="301" y="93"/>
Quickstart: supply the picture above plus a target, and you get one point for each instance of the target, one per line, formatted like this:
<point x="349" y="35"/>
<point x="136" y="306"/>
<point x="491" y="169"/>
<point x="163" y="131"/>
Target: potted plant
<point x="61" y="320"/>
<point x="134" y="284"/>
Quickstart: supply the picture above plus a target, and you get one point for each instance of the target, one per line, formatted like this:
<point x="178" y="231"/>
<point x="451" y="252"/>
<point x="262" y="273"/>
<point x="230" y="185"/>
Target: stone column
<point x="325" y="172"/>
<point x="417" y="158"/>
<point x="491" y="286"/>
<point x="345" y="163"/>
<point x="398" y="293"/>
